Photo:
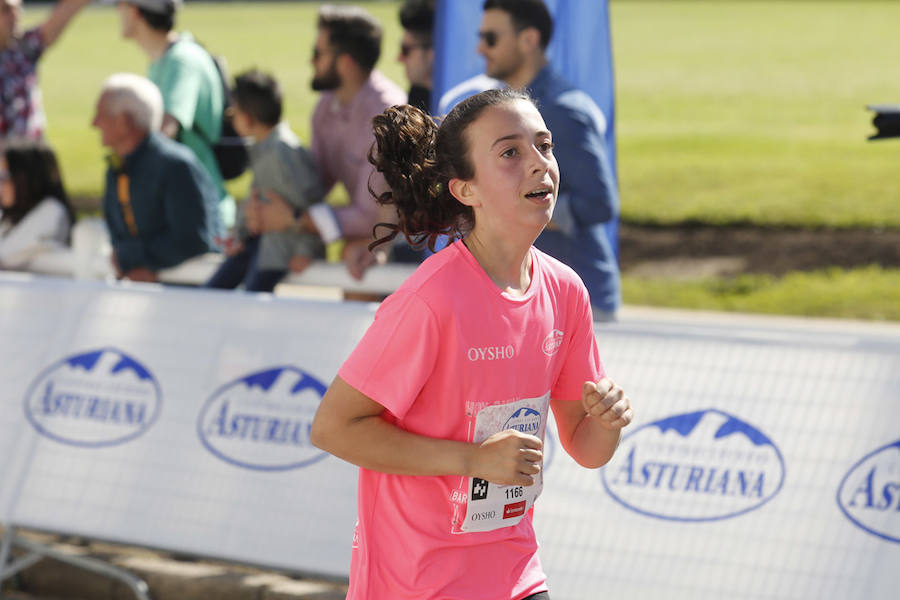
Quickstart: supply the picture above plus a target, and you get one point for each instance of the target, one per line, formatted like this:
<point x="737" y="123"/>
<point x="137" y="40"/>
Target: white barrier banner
<point x="764" y="461"/>
<point x="175" y="418"/>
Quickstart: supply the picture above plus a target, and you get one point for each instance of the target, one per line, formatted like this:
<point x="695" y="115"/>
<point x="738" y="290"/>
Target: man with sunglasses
<point x="417" y="50"/>
<point x="513" y="38"/>
<point x="21" y="114"/>
<point x="346" y="49"/>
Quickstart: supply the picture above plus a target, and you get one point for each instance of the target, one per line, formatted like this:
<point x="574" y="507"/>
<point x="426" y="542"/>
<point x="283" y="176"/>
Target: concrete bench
<point x="89" y="258"/>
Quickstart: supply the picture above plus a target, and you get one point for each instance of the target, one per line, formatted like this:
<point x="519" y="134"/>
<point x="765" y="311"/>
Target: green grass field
<point x="727" y="112"/>
<point x="869" y="293"/>
<point x="755" y="111"/>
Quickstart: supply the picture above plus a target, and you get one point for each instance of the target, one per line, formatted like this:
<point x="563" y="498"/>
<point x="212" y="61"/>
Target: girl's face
<point x="7" y="191"/>
<point x="516" y="176"/>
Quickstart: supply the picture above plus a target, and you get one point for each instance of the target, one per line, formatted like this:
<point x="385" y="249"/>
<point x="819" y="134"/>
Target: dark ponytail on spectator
<point x="418" y="159"/>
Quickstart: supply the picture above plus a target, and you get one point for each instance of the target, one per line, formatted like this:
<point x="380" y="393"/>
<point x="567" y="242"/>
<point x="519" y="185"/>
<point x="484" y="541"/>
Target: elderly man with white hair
<point x="159" y="203"/>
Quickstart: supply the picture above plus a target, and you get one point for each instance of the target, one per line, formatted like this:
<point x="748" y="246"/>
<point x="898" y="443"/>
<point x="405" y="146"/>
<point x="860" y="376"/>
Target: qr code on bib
<point x="479" y="489"/>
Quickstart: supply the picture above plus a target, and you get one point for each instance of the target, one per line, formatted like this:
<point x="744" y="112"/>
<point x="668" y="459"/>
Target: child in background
<point x="34" y="210"/>
<point x="281" y="165"/>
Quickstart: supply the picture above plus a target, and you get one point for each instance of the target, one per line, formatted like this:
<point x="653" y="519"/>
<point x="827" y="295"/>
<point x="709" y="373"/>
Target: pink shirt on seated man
<point x="346" y="50"/>
<point x="341" y="139"/>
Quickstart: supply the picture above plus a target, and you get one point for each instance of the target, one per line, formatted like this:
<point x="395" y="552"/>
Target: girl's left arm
<point x="589" y="430"/>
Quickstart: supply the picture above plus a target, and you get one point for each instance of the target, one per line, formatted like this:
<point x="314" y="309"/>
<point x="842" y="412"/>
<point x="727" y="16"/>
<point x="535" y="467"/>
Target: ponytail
<point x="405" y="152"/>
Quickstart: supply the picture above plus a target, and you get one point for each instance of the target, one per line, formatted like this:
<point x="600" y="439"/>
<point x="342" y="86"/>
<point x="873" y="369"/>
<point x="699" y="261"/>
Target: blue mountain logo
<point x="700" y="466"/>
<point x="525" y="420"/>
<point x="99" y="398"/>
<point x="262" y="420"/>
<point x="869" y="494"/>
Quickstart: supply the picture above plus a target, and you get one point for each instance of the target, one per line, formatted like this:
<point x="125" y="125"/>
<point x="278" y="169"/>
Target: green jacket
<point x="173" y="203"/>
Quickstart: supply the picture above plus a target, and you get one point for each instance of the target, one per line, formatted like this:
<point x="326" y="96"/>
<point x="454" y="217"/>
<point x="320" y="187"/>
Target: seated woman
<point x="34" y="210"/>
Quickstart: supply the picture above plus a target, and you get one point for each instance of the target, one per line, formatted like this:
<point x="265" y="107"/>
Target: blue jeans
<point x="590" y="255"/>
<point x="242" y="267"/>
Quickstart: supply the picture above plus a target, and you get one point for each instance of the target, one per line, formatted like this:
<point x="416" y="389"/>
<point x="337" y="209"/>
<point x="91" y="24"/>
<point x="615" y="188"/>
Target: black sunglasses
<point x="489" y="38"/>
<point x="406" y="49"/>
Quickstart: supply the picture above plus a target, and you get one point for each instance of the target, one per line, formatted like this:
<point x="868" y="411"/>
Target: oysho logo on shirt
<point x="552" y="342"/>
<point x="491" y="353"/>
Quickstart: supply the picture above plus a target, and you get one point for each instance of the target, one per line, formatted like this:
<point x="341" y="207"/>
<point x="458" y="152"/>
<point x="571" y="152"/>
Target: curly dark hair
<point x="418" y="158"/>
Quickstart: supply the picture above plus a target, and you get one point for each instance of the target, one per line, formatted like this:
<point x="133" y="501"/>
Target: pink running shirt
<point x="451" y="356"/>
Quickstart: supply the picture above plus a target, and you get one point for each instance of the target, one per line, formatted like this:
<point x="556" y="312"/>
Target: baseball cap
<point x="162" y="7"/>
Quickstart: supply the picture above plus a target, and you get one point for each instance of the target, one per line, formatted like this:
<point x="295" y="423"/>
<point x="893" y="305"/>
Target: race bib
<point x="489" y="505"/>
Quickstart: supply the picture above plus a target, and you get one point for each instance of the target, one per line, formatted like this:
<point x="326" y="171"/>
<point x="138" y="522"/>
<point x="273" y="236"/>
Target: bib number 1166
<point x="514" y="492"/>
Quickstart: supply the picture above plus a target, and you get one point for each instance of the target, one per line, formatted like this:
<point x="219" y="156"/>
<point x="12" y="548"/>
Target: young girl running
<point x="444" y="402"/>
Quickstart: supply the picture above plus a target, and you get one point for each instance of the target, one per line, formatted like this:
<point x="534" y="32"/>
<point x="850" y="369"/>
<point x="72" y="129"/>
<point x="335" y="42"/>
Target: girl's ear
<point x="463" y="191"/>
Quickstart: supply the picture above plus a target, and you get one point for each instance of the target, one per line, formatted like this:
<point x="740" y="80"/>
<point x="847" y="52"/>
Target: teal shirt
<point x="192" y="93"/>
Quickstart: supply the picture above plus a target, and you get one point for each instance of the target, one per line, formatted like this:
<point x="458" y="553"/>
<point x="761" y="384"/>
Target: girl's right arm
<point x="349" y="425"/>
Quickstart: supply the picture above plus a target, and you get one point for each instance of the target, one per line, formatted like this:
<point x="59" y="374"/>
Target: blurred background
<point x="747" y="181"/>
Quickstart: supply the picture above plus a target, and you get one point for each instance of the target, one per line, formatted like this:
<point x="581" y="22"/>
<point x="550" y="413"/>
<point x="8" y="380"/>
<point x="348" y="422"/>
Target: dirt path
<point x="710" y="251"/>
